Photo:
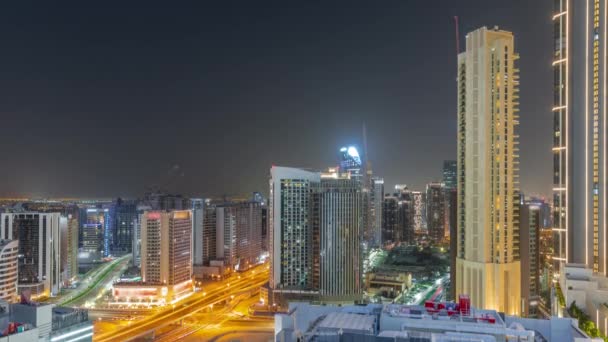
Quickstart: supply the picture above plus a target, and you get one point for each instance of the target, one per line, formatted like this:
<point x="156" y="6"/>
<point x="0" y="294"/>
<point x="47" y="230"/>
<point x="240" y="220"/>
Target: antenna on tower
<point x="457" y="35"/>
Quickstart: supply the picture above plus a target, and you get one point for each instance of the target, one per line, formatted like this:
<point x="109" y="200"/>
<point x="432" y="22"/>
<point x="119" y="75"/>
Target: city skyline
<point x="207" y="80"/>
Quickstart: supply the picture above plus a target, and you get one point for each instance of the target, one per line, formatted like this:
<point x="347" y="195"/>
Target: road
<point x="101" y="276"/>
<point x="248" y="281"/>
<point x="99" y="282"/>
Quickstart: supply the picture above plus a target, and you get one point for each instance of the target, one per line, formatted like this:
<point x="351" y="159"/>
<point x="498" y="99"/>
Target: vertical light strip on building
<point x="604" y="145"/>
<point x="596" y="90"/>
<point x="561" y="143"/>
<point x="587" y="134"/>
<point x="566" y="123"/>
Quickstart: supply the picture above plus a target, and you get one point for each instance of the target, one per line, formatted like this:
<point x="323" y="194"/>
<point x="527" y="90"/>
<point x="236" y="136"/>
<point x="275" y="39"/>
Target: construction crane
<point x="457" y="35"/>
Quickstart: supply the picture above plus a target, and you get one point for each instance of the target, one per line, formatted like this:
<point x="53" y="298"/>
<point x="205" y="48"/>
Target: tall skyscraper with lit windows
<point x="487" y="264"/>
<point x="315" y="222"/>
<point x="435" y="212"/>
<point x="39" y="258"/>
<point x="580" y="222"/>
<point x="579" y="140"/>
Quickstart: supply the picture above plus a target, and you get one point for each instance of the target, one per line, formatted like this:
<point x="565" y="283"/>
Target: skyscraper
<point x="419" y="207"/>
<point x="95" y="232"/>
<point x="398" y="216"/>
<point x="198" y="210"/>
<point x="209" y="234"/>
<point x="9" y="250"/>
<point x="239" y="234"/>
<point x="165" y="250"/>
<point x="390" y="219"/>
<point x="350" y="162"/>
<point x="337" y="219"/>
<point x="71" y="238"/>
<point x="290" y="229"/>
<point x="530" y="258"/>
<point x="315" y="230"/>
<point x="124" y="218"/>
<point x="450" y="169"/>
<point x="579" y="141"/>
<point x="580" y="206"/>
<point x="376" y="200"/>
<point x="39" y="250"/>
<point x="435" y="212"/>
<point x="488" y="267"/>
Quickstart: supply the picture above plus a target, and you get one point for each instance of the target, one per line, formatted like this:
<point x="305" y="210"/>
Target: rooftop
<point x="348" y="321"/>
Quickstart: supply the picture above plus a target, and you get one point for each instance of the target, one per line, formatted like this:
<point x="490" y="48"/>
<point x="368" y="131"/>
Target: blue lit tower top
<point x="350" y="161"/>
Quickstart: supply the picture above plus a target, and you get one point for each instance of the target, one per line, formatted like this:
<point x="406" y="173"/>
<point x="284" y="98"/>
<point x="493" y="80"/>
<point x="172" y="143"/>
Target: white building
<point x="380" y="323"/>
<point x="9" y="249"/>
<point x="39" y="250"/>
<point x="289" y="228"/>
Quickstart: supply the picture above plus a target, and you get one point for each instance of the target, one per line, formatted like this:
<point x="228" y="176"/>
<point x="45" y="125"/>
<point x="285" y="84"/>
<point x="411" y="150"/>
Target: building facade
<point x="488" y="266"/>
<point x="530" y="217"/>
<point x="95" y="231"/>
<point x="9" y="250"/>
<point x="315" y="235"/>
<point x="376" y="201"/>
<point x="390" y="217"/>
<point x="337" y="220"/>
<point x="435" y="212"/>
<point x="290" y="229"/>
<point x="419" y="207"/>
<point x="239" y="234"/>
<point x="579" y="144"/>
<point x="124" y="218"/>
<point x="71" y="238"/>
<point x="39" y="264"/>
<point x="165" y="243"/>
<point x="165" y="250"/>
<point x="450" y="169"/>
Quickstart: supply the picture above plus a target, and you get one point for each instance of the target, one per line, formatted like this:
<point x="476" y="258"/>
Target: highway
<point x="245" y="282"/>
<point x="92" y="282"/>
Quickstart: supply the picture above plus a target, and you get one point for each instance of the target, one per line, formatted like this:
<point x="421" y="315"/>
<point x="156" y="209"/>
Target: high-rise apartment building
<point x="315" y="230"/>
<point x="71" y="240"/>
<point x="435" y="212"/>
<point x="209" y="234"/>
<point x="165" y="249"/>
<point x="290" y="229"/>
<point x="39" y="264"/>
<point x="419" y="207"/>
<point x="398" y="216"/>
<point x="238" y="234"/>
<point x="376" y="201"/>
<point x="530" y="226"/>
<point x="198" y="210"/>
<point x="390" y="219"/>
<point x="488" y="266"/>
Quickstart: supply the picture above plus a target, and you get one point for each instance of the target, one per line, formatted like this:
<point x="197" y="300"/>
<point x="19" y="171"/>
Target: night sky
<point x="105" y="99"/>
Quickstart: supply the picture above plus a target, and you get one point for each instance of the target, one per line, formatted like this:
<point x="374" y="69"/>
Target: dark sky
<point x="105" y="98"/>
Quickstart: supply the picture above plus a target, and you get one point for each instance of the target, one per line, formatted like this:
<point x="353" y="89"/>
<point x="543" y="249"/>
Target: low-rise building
<point x="588" y="290"/>
<point x="387" y="284"/>
<point x="432" y="322"/>
<point x="27" y="322"/>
